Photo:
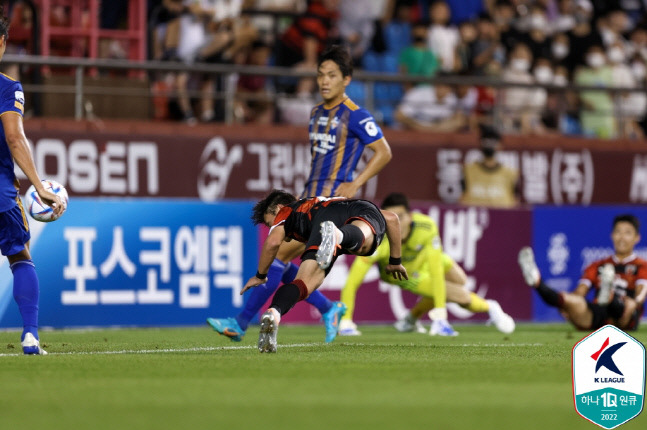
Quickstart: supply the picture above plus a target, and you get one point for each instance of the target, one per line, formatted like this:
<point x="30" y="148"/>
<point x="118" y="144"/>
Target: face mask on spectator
<point x="538" y="22"/>
<point x="638" y="69"/>
<point x="616" y="55"/>
<point x="560" y="50"/>
<point x="595" y="60"/>
<point x="560" y="80"/>
<point x="520" y="64"/>
<point x="543" y="74"/>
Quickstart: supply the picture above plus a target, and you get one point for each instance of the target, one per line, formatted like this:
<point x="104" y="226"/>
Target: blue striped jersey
<point x="337" y="138"/>
<point x="12" y="101"/>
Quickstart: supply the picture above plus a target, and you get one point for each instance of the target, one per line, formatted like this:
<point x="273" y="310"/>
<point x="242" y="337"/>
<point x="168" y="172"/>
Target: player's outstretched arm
<point x="395" y="266"/>
<point x="381" y="157"/>
<point x="268" y="254"/>
<point x="19" y="147"/>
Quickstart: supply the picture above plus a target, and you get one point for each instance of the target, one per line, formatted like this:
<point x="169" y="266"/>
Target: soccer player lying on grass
<point x="620" y="283"/>
<point x="328" y="227"/>
<point x="434" y="276"/>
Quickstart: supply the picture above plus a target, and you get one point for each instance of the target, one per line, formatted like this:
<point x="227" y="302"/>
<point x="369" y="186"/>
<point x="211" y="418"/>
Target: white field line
<point x="291" y="345"/>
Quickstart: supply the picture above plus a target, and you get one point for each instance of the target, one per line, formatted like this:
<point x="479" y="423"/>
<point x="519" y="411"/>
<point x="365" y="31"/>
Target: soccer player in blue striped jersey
<point x="339" y="131"/>
<point x="14" y="229"/>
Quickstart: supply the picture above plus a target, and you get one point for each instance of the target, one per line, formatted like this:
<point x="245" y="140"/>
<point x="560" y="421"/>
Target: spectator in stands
<point x="487" y="182"/>
<point x="597" y="114"/>
<point x="431" y="108"/>
<point x="269" y="26"/>
<point x="487" y="48"/>
<point x="560" y="48"/>
<point x="464" y="55"/>
<point x="503" y="15"/>
<point x="582" y="36"/>
<point x="356" y="25"/>
<point x="519" y="104"/>
<point x="417" y="59"/>
<point x="166" y="31"/>
<point x="294" y="109"/>
<point x="543" y="74"/>
<point x="253" y="101"/>
<point x="565" y="19"/>
<point x="629" y="107"/>
<point x="306" y="38"/>
<point x="613" y="26"/>
<point x="564" y="104"/>
<point x="465" y="10"/>
<point x="397" y="31"/>
<point x="537" y="37"/>
<point x="442" y="37"/>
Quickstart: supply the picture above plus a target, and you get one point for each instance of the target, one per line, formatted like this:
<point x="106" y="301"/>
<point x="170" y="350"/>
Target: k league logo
<point x="609" y="377"/>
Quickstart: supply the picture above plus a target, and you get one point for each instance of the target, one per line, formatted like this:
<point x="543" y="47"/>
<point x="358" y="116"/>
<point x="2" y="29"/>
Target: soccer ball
<point x="39" y="210"/>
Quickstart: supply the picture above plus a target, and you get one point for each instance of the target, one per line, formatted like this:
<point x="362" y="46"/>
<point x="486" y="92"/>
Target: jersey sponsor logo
<point x="20" y="97"/>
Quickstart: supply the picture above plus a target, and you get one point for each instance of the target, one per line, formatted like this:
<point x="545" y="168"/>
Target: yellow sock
<point x="477" y="304"/>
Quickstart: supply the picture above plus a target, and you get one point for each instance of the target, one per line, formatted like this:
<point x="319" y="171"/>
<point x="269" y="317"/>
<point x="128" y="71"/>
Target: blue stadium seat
<point x="390" y="62"/>
<point x="387" y="114"/>
<point x="372" y="61"/>
<point x="397" y="36"/>
<point x="356" y="91"/>
<point x="382" y="92"/>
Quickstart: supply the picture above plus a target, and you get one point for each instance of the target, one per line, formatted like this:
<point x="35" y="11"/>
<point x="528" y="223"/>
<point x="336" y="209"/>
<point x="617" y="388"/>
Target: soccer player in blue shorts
<point x="14" y="229"/>
<point x="339" y="131"/>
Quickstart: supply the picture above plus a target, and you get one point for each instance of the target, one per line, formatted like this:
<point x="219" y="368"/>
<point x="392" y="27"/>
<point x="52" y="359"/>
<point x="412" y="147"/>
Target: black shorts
<point x="344" y="212"/>
<point x="601" y="318"/>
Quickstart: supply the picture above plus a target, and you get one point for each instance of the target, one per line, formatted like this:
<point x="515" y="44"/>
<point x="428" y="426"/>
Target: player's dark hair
<point x="488" y="132"/>
<point x="268" y="204"/>
<point x="4" y="24"/>
<point x="340" y="56"/>
<point x="395" y="199"/>
<point x="631" y="219"/>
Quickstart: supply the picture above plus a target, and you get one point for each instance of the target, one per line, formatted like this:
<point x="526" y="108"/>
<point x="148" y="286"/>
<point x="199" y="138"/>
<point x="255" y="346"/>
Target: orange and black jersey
<point x="316" y="22"/>
<point x="302" y="219"/>
<point x="630" y="274"/>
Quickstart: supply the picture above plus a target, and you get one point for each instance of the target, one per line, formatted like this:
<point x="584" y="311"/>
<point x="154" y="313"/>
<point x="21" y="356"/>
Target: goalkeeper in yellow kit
<point x="433" y="275"/>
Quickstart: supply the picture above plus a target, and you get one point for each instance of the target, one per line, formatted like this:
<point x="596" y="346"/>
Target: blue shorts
<point x="14" y="230"/>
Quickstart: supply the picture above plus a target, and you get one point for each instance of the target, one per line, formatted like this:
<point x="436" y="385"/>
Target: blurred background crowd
<point x="521" y="63"/>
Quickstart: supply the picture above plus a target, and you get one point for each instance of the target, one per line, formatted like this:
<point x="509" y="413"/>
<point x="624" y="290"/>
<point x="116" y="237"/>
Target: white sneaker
<point x="404" y="325"/>
<point x="269" y="328"/>
<point x="502" y="321"/>
<point x="329" y="243"/>
<point x="348" y="328"/>
<point x="31" y="346"/>
<point x="529" y="267"/>
<point x="607" y="275"/>
<point x="442" y="328"/>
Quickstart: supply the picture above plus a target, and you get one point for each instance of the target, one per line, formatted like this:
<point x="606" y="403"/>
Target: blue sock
<point x="319" y="301"/>
<point x="26" y="293"/>
<point x="260" y="294"/>
<point x="289" y="273"/>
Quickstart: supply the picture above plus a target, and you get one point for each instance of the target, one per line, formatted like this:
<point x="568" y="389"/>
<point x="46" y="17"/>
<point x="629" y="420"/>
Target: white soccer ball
<point x="39" y="210"/>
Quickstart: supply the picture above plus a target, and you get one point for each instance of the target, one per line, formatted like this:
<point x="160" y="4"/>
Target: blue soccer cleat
<point x="331" y="320"/>
<point x="227" y="327"/>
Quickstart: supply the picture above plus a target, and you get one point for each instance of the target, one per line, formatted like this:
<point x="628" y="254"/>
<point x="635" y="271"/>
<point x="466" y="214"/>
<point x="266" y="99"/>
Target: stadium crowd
<point x="545" y="45"/>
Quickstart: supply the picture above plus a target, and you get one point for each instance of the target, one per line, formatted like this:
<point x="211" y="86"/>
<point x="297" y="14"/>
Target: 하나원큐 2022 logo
<point x="609" y="377"/>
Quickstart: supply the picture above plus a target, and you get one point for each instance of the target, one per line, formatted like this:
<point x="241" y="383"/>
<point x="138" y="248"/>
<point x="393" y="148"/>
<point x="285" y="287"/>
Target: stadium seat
<point x="356" y="91"/>
<point x="387" y="114"/>
<point x="390" y="62"/>
<point x="371" y="61"/>
<point x="397" y="36"/>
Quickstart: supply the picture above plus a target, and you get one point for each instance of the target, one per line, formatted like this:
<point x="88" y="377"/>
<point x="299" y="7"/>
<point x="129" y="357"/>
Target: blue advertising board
<point x="567" y="239"/>
<point x="110" y="262"/>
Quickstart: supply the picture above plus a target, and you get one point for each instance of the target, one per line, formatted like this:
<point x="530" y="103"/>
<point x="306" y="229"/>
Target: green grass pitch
<point x="191" y="378"/>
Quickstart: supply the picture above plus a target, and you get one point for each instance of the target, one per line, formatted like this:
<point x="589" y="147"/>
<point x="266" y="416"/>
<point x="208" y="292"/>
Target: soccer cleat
<point x="331" y="320"/>
<point x="442" y="328"/>
<point x="528" y="267"/>
<point x="405" y="325"/>
<point x="269" y="328"/>
<point x="607" y="274"/>
<point x="328" y="246"/>
<point x="348" y="328"/>
<point x="31" y="345"/>
<point x="227" y="327"/>
<point x="502" y="321"/>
